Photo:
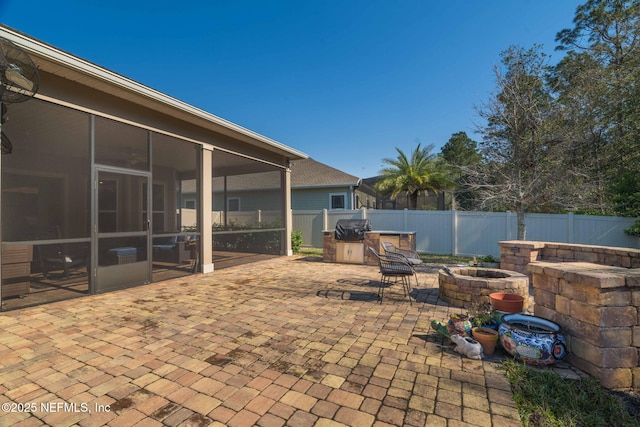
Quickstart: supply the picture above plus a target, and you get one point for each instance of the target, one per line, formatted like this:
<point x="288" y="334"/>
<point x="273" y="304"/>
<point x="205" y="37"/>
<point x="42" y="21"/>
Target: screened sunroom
<point x="108" y="184"/>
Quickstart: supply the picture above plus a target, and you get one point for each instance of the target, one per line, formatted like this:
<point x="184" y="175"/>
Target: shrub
<point x="296" y="241"/>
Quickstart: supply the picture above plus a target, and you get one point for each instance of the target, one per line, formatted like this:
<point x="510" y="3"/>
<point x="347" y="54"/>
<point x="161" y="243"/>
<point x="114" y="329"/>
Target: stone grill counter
<point x="357" y="253"/>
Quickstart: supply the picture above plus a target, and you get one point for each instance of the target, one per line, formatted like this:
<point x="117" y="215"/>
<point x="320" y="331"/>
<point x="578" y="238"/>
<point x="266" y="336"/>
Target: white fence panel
<point x="478" y="233"/>
<point x="334" y="216"/>
<point x="473" y="233"/>
<point x="386" y="220"/>
<point x="548" y="228"/>
<point x="310" y="224"/>
<point x="603" y="230"/>
<point x="433" y="230"/>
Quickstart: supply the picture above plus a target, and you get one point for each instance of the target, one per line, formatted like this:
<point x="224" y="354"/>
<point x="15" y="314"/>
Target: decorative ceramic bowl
<point x="459" y="325"/>
<point x="532" y="340"/>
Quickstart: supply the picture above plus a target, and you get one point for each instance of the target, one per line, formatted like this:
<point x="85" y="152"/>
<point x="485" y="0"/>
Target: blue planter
<point x="532" y="340"/>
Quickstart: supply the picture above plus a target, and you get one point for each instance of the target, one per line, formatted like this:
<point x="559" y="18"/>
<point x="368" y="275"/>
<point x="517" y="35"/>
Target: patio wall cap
<point x="461" y="272"/>
<point x="598" y="275"/>
<point x="525" y="244"/>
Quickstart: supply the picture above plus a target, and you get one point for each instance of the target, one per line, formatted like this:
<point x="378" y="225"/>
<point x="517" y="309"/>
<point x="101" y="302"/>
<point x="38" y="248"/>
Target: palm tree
<point x="419" y="174"/>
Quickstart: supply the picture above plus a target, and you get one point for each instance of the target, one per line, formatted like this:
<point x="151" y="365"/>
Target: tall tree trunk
<point x="413" y="198"/>
<point x="522" y="227"/>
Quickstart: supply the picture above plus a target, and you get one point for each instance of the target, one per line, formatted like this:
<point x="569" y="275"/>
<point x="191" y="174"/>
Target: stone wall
<point x="515" y="255"/>
<point x="465" y="287"/>
<point x="593" y="293"/>
<point x="597" y="309"/>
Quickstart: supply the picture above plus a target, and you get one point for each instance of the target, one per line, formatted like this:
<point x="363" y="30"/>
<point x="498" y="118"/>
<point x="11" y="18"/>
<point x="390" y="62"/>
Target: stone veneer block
<point x="594" y="295"/>
<point x="473" y="285"/>
<point x="620" y="357"/>
<point x="544" y="282"/>
<point x="546" y="313"/>
<point x="597" y="336"/>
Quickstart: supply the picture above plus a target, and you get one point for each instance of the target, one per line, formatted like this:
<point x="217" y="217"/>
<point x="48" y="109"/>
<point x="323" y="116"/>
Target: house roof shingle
<point x="311" y="173"/>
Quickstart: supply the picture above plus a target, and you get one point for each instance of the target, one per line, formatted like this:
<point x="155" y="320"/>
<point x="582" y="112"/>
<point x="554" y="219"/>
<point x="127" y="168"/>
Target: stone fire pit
<point x="468" y="285"/>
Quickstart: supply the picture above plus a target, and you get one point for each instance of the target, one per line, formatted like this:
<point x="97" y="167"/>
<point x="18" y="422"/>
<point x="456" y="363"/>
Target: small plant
<point x="488" y="258"/>
<point x="296" y="241"/>
<point x="481" y="314"/>
<point x="634" y="230"/>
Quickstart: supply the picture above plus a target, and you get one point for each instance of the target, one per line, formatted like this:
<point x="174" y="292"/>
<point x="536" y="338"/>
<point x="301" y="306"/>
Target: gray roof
<point x="311" y="173"/>
<point x="305" y="173"/>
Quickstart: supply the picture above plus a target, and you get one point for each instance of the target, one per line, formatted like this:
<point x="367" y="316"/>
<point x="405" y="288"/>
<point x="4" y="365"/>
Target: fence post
<point x="508" y="225"/>
<point x="454" y="232"/>
<point x="259" y="216"/>
<point x="570" y="230"/>
<point x="363" y="213"/>
<point x="405" y="219"/>
<point x="325" y="219"/>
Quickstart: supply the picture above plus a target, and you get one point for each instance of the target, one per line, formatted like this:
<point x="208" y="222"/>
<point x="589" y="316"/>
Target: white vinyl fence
<point x="472" y="233"/>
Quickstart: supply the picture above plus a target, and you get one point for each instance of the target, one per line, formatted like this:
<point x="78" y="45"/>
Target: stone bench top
<point x="590" y="274"/>
<point x="528" y="244"/>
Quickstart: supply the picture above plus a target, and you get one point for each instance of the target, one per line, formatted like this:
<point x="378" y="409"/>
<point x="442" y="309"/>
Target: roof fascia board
<point x="344" y="184"/>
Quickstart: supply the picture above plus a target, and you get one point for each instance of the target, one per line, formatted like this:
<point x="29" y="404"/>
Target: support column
<point x="286" y="209"/>
<point x="206" y="194"/>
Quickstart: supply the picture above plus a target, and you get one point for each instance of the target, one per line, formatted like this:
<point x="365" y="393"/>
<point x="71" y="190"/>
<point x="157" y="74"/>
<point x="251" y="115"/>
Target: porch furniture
<point x="16" y="268"/>
<point x="410" y="256"/>
<point x="173" y="249"/>
<point x="393" y="268"/>
<point x="124" y="255"/>
<point x="55" y="257"/>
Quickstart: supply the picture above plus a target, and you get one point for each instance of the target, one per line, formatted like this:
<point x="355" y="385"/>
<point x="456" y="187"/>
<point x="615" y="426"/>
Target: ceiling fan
<point x="19" y="81"/>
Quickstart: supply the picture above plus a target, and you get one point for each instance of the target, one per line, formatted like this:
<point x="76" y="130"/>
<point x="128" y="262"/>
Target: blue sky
<point x="345" y="81"/>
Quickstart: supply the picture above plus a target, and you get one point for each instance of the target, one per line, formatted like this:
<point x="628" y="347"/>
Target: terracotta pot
<point x="487" y="338"/>
<point x="511" y="303"/>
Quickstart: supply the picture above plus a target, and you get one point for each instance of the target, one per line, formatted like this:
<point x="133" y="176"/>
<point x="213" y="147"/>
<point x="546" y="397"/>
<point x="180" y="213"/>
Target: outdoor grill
<point x="352" y="229"/>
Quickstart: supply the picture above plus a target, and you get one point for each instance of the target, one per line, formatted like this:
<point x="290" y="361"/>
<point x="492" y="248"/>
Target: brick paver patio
<point x="288" y="341"/>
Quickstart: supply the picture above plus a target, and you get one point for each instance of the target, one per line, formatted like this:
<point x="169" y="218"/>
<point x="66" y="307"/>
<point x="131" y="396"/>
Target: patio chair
<point x="393" y="268"/>
<point x="55" y="257"/>
<point x="410" y="256"/>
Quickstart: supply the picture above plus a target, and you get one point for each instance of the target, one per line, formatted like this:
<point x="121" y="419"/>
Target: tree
<point x="460" y="150"/>
<point x="416" y="174"/>
<point x="458" y="153"/>
<point x="581" y="92"/>
<point x="604" y="49"/>
<point x="522" y="144"/>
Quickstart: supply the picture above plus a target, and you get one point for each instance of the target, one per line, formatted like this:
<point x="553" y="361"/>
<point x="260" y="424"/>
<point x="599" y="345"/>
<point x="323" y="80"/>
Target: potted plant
<point x="459" y="324"/>
<point x="487" y="338"/>
<point x="482" y="315"/>
<point x="489" y="261"/>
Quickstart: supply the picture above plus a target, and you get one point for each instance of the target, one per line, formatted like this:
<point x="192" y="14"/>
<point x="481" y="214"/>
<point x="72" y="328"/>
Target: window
<point x="233" y="204"/>
<point x="338" y="201"/>
<point x="189" y="204"/>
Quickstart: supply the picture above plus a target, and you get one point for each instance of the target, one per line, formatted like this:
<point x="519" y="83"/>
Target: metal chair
<point x="410" y="256"/>
<point x="393" y="268"/>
